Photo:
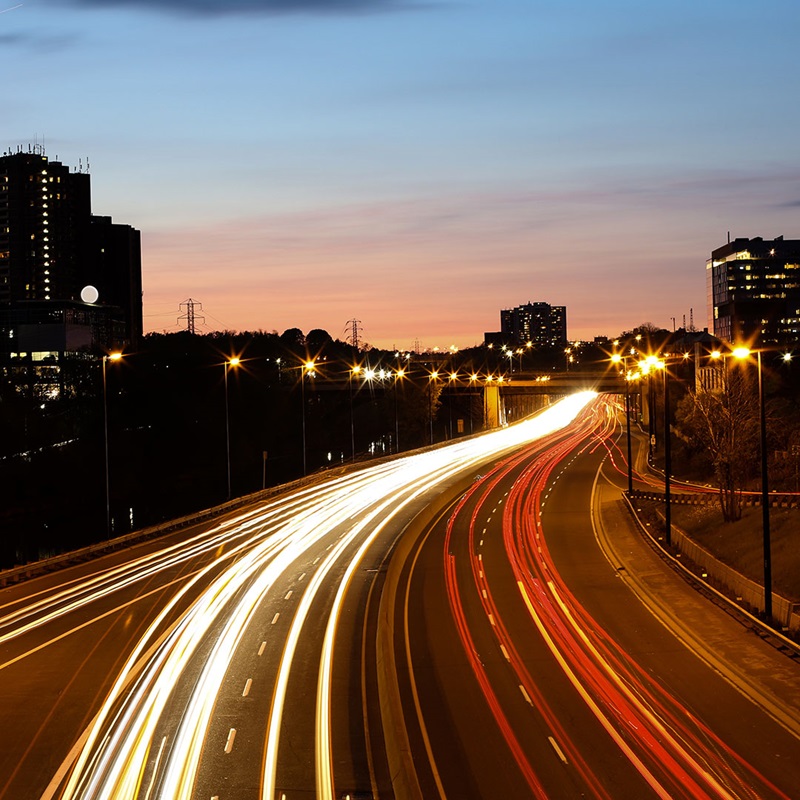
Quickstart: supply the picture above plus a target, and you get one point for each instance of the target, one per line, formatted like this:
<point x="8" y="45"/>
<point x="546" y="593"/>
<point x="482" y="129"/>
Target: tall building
<point x="69" y="281"/>
<point x="753" y="291"/>
<point x="44" y="216"/>
<point x="539" y="323"/>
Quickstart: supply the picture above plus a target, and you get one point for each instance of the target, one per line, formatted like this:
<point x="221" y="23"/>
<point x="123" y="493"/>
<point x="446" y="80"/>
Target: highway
<point x="236" y="659"/>
<point x="536" y="672"/>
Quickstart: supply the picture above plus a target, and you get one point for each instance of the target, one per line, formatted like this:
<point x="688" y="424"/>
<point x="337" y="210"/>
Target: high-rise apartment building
<point x="753" y="291"/>
<point x="539" y="323"/>
<point x="69" y="281"/>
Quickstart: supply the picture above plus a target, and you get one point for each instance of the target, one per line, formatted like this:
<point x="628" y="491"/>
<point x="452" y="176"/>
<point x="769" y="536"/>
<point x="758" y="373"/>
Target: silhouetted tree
<point x="725" y="423"/>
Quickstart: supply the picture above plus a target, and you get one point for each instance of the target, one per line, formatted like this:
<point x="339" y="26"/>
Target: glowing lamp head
<point x="741" y="352"/>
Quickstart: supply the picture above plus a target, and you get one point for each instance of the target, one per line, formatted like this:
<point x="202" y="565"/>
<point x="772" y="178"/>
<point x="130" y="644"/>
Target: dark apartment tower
<point x="538" y="323"/>
<point x="114" y="267"/>
<point x="51" y="250"/>
<point x="44" y="220"/>
<point x="753" y="291"/>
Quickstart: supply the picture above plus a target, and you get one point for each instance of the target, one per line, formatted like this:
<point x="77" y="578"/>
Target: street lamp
<point x="106" y="358"/>
<point x="433" y="376"/>
<point x="307" y="368"/>
<point x="743" y="353"/>
<point x="356" y="370"/>
<point x="617" y="358"/>
<point x="231" y="362"/>
<point x="667" y="461"/>
<point x="398" y="376"/>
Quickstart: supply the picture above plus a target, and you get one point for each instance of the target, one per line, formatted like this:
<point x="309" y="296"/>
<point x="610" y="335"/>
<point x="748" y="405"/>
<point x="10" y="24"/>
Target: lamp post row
<point x="740" y="353"/>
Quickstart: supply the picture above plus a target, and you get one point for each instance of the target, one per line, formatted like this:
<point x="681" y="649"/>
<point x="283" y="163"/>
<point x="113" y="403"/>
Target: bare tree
<point x="725" y="423"/>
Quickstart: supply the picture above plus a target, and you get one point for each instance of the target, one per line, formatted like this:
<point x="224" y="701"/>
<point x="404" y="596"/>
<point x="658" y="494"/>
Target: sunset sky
<point x="417" y="164"/>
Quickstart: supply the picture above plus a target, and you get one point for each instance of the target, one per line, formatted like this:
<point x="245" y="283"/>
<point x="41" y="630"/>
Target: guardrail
<point x="785" y="611"/>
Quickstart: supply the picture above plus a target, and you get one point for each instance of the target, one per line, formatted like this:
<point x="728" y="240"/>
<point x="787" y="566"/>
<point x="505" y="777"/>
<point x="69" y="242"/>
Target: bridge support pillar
<point x="491" y="406"/>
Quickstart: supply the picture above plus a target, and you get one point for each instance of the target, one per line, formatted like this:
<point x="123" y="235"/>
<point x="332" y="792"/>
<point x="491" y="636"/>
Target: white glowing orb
<point x="89" y="294"/>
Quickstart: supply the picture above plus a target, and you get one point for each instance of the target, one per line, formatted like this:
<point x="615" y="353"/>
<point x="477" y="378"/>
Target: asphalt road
<point x="408" y="630"/>
<point x="237" y="659"/>
<point x="534" y="670"/>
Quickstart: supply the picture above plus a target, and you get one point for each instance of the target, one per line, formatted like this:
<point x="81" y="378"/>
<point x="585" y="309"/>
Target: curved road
<point x="532" y="670"/>
<point x="232" y="660"/>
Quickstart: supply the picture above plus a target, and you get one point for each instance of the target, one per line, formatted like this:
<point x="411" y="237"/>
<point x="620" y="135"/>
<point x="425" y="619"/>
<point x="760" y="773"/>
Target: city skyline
<point x="417" y="166"/>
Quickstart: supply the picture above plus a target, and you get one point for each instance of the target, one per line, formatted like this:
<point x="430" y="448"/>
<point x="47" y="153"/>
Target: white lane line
<point x="231" y="737"/>
<point x="558" y="750"/>
<point x="491" y="619"/>
<point x="288" y="594"/>
<point x="275" y="618"/>
<point x="261" y="649"/>
<point x="525" y="695"/>
<point x="155" y="769"/>
<point x="247" y="687"/>
<point x="481" y="544"/>
<point x="485" y="596"/>
<point x="505" y="652"/>
<point x="301" y="577"/>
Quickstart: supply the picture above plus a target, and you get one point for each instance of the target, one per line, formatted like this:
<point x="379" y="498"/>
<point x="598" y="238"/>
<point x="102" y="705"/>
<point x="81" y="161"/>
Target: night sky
<point x="417" y="165"/>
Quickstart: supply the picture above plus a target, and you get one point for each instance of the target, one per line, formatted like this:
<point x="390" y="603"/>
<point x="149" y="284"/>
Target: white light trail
<point x="347" y="514"/>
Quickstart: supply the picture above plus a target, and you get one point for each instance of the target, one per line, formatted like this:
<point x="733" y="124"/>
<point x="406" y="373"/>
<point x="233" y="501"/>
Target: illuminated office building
<point x="753" y="291"/>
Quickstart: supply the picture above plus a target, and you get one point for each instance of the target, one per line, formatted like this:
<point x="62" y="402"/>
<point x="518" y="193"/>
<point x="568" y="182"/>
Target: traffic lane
<point x="95" y="639"/>
<point x="232" y="763"/>
<point x="470" y="752"/>
<point x="54" y="679"/>
<point x="588" y="761"/>
<point x="454" y="737"/>
<point x="234" y="757"/>
<point x="621" y="617"/>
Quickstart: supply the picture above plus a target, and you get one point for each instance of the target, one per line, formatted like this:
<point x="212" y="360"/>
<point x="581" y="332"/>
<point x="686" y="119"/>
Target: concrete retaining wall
<point x="786" y="612"/>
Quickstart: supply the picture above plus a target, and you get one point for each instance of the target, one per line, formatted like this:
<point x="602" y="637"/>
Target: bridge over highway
<point x="525" y="392"/>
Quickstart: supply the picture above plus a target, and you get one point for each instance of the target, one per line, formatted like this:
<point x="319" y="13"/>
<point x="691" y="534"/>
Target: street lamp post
<point x="231" y="362"/>
<point x="398" y="376"/>
<point x="433" y="376"/>
<point x="356" y="370"/>
<point x="741" y="353"/>
<point x="765" y="497"/>
<point x="667" y="460"/>
<point x="106" y="358"/>
<point x="617" y="358"/>
<point x="308" y="367"/>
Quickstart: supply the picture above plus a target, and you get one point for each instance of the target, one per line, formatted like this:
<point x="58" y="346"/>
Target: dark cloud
<point x="41" y="42"/>
<point x="252" y="7"/>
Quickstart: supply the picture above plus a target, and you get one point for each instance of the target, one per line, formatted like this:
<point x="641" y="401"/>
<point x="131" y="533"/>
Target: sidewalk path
<point x="769" y="678"/>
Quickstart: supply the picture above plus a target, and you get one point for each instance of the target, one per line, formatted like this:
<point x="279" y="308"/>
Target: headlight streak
<point x="121" y="744"/>
<point x="650" y="727"/>
<point x="560" y="447"/>
<point x="78" y="593"/>
<point x="324" y="756"/>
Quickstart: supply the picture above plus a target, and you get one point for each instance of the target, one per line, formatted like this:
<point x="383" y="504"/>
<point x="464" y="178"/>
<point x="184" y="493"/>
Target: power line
<point x="190" y="316"/>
